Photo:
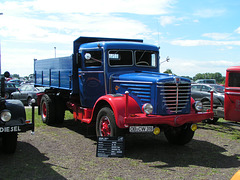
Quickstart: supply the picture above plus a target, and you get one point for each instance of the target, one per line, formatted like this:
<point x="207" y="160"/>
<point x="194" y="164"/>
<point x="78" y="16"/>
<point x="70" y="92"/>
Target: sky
<point x="198" y="36"/>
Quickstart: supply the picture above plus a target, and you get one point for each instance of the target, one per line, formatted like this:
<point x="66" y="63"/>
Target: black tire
<point x="179" y="135"/>
<point x="60" y="110"/>
<point x="212" y="120"/>
<point x="9" y="142"/>
<point x="106" y="124"/>
<point x="47" y="110"/>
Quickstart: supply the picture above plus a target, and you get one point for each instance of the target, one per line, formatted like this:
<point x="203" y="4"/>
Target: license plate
<point x="140" y="129"/>
<point x="10" y="129"/>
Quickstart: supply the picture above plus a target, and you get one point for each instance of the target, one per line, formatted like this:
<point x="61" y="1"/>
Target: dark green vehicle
<point x="12" y="120"/>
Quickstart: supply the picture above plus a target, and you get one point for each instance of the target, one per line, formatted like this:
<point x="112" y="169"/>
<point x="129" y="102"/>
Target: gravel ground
<point x="67" y="152"/>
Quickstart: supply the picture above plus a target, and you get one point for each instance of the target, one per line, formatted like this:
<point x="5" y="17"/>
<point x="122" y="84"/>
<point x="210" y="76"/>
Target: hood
<point x="149" y="77"/>
<point x="155" y="88"/>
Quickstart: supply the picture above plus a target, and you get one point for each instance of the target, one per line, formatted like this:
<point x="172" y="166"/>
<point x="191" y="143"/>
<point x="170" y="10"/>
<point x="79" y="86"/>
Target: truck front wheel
<point x="9" y="142"/>
<point x="179" y="135"/>
<point x="106" y="124"/>
<point x="47" y="110"/>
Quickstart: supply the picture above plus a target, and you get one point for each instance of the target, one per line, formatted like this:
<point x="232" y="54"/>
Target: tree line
<point x="217" y="76"/>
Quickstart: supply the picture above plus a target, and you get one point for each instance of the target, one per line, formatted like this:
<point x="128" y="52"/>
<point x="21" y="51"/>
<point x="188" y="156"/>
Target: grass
<point x="38" y="120"/>
<point x="224" y="129"/>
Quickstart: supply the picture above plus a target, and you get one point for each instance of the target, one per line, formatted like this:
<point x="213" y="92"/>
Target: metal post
<point x="55" y="52"/>
<point x="126" y="106"/>
<point x="0" y="55"/>
<point x="211" y="101"/>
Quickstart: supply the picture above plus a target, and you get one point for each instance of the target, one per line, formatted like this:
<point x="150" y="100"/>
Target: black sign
<point x="110" y="147"/>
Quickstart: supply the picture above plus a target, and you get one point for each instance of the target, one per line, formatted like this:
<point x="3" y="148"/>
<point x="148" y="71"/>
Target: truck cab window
<point x="234" y="80"/>
<point x="145" y="58"/>
<point x="93" y="58"/>
<point x="120" y="58"/>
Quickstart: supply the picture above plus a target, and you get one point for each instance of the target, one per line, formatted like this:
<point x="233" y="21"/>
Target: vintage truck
<point x="232" y="94"/>
<point x="12" y="121"/>
<point x="115" y="86"/>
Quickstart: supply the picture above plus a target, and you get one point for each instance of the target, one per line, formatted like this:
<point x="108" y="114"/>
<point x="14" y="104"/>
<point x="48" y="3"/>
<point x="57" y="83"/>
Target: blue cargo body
<point x="55" y="73"/>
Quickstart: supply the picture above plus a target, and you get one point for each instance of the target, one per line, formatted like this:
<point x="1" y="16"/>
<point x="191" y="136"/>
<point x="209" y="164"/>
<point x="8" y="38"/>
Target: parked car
<point x="16" y="82"/>
<point x="9" y="88"/>
<point x="206" y="81"/>
<point x="27" y="92"/>
<point x="201" y="92"/>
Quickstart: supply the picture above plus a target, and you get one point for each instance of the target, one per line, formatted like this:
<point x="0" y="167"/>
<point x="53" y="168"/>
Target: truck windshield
<point x="125" y="58"/>
<point x="145" y="58"/>
<point x="120" y="57"/>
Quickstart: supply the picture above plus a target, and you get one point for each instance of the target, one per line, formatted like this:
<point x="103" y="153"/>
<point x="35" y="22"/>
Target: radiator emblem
<point x="177" y="80"/>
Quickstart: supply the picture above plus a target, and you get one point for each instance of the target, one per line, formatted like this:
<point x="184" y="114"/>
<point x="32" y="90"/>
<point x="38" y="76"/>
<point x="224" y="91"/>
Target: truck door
<point x="91" y="77"/>
<point x="232" y="95"/>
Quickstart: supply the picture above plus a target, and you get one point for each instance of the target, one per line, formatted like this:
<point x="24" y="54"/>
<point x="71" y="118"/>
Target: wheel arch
<point x="118" y="105"/>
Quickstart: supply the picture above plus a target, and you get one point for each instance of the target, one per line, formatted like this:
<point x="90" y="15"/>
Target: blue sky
<point x="198" y="36"/>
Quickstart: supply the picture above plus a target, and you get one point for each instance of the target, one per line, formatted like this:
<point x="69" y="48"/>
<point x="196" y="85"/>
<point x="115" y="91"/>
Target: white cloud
<point x="237" y="30"/>
<point x="150" y="7"/>
<point x="165" y="20"/>
<point x="208" y="13"/>
<point x="104" y="6"/>
<point x="204" y="43"/>
<point x="217" y="36"/>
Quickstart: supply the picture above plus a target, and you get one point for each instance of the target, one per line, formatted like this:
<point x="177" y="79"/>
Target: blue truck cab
<point x="114" y="84"/>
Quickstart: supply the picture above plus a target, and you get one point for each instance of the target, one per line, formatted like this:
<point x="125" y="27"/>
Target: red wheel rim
<point x="44" y="110"/>
<point x="105" y="127"/>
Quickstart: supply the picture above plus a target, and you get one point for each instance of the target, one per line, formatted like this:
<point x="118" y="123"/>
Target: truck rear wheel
<point x="179" y="135"/>
<point x="47" y="110"/>
<point x="106" y="124"/>
<point x="9" y="142"/>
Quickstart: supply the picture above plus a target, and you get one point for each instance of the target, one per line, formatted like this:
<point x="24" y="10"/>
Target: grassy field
<point x="222" y="125"/>
<point x="67" y="152"/>
<point x="38" y="120"/>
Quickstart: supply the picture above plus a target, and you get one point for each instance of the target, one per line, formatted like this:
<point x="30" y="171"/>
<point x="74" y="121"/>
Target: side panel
<point x="56" y="73"/>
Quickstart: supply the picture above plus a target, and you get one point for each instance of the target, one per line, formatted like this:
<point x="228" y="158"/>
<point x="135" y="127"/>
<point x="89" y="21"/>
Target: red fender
<point x="192" y="109"/>
<point x="118" y="105"/>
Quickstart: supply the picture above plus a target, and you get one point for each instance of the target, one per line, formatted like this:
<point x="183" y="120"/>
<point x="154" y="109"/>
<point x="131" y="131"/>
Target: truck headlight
<point x="198" y="106"/>
<point x="147" y="108"/>
<point x="5" y="115"/>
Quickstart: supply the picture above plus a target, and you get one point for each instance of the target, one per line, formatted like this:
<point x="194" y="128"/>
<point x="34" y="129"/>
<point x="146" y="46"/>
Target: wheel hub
<point x="105" y="126"/>
<point x="44" y="110"/>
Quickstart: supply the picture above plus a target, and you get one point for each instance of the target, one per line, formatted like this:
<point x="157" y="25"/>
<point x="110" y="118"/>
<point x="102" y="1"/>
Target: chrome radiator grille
<point x="175" y="96"/>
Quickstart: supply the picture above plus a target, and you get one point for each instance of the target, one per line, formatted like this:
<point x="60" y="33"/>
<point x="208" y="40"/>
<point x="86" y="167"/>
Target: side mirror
<point x="167" y="59"/>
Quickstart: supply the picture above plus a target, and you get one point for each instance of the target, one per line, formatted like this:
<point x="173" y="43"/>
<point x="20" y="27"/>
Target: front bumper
<point x="173" y="120"/>
<point x="17" y="128"/>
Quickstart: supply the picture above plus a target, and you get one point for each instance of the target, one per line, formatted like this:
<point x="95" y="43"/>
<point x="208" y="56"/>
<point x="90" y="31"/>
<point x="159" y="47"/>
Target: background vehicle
<point x="114" y="85"/>
<point x="9" y="88"/>
<point x="12" y="120"/>
<point x="26" y="93"/>
<point x="232" y="94"/>
<point x="206" y="81"/>
<point x="16" y="82"/>
<point x="201" y="92"/>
